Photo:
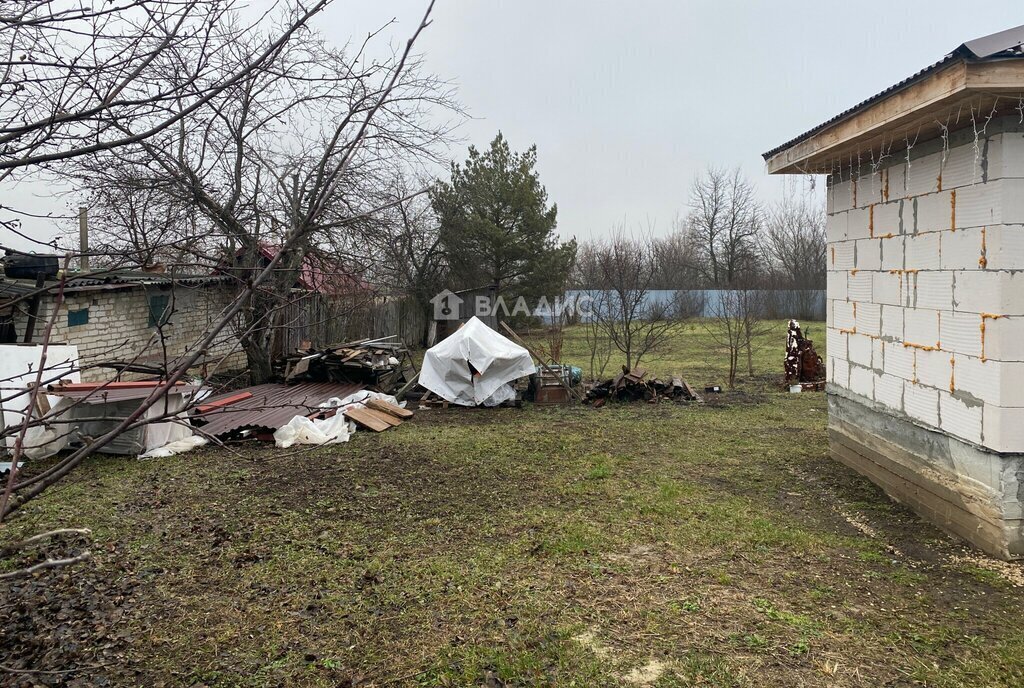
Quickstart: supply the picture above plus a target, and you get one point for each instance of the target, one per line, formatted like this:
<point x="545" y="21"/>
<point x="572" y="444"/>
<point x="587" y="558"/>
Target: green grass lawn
<point x="693" y="352"/>
<point x="659" y="545"/>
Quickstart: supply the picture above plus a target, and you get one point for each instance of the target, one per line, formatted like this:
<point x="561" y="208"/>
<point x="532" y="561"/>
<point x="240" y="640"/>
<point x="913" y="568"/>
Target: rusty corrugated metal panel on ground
<point x="270" y="406"/>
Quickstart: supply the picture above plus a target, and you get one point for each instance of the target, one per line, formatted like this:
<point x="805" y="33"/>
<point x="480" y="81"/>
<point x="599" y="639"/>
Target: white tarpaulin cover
<point x="497" y="360"/>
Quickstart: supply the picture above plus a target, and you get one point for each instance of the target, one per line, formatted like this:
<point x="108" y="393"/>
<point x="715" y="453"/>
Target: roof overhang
<point x="948" y="96"/>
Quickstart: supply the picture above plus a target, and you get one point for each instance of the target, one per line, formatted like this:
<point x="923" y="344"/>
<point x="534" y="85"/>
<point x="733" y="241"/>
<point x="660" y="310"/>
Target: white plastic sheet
<point x="302" y="430"/>
<point x="497" y="361"/>
<point x="179" y="446"/>
<point x="333" y="430"/>
<point x="159" y="434"/>
<point x="359" y="399"/>
<point x="67" y="415"/>
<point x="19" y="364"/>
<point x="500" y="396"/>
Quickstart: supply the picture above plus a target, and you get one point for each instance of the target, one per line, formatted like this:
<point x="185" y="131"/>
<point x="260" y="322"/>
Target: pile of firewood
<point x="631" y="385"/>
<point x="381" y="364"/>
<point x="803" y="365"/>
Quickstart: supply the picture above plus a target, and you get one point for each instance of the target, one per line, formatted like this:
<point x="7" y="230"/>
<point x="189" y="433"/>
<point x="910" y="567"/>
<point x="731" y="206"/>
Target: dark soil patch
<point x="69" y="622"/>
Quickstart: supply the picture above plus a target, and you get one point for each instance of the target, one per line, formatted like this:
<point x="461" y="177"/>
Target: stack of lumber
<point x="378" y="415"/>
<point x="383" y="365"/>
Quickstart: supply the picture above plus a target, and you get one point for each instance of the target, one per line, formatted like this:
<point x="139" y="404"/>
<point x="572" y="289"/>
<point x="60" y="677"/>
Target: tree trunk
<point x="259" y="361"/>
<point x="258" y="340"/>
<point x="734" y="361"/>
<point x="428" y="317"/>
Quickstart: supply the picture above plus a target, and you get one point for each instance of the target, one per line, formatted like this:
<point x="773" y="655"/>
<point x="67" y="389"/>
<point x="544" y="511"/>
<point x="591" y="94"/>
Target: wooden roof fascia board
<point x="915" y="106"/>
<point x="942" y="86"/>
<point x="1005" y="76"/>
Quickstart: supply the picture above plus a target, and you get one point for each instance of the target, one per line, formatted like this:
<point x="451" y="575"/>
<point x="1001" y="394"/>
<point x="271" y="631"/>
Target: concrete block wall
<point x="119" y="329"/>
<point x="926" y="286"/>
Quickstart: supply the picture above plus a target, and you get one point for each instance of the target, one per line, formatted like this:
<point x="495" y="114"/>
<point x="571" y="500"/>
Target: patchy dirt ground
<point x="639" y="546"/>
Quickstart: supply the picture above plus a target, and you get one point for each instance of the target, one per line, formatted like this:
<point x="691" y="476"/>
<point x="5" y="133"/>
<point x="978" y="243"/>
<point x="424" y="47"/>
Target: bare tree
<point x="288" y="149"/>
<point x="726" y="328"/>
<point x="402" y="248"/>
<point x="586" y="277"/>
<point x="676" y="259"/>
<point x="623" y="270"/>
<point x="134" y="224"/>
<point x="723" y="226"/>
<point x="72" y="75"/>
<point x="736" y="325"/>
<point x="794" y="241"/>
<point x="755" y="325"/>
<point x="346" y="154"/>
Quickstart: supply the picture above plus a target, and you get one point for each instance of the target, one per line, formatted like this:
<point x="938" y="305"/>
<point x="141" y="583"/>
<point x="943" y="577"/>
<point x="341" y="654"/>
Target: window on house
<point x="159" y="309"/>
<point x="78" y="317"/>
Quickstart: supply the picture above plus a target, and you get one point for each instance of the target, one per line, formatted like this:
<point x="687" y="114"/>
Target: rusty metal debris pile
<point x="631" y="385"/>
<point x="355" y="378"/>
<point x="805" y="370"/>
<point x="260" y="410"/>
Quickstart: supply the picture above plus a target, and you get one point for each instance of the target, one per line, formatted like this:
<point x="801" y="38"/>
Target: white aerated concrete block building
<point x="926" y="288"/>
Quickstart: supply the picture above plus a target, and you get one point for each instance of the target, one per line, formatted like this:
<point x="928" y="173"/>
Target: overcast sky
<point x="627" y="101"/>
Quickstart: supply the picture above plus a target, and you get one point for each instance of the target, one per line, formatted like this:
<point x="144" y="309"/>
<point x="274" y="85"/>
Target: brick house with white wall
<point x="925" y="340"/>
<point x="147" y="319"/>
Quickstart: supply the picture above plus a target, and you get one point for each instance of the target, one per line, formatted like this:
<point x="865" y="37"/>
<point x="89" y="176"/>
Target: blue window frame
<point x="78" y="317"/>
<point x="159" y="309"/>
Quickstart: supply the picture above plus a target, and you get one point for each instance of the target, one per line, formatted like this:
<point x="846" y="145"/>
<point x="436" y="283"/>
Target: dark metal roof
<point x="143" y="279"/>
<point x="270" y="406"/>
<point x="108" y="280"/>
<point x="16" y="287"/>
<point x="112" y="396"/>
<point x="1007" y="44"/>
<point x="1009" y="41"/>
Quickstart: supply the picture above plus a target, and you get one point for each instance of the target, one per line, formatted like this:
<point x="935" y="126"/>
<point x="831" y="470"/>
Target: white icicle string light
<point x="853" y="184"/>
<point x="945" y="143"/>
<point x="978" y="134"/>
<point x="860" y="167"/>
<point x="910" y="146"/>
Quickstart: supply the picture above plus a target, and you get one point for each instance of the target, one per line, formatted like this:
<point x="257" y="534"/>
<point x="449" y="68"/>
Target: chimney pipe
<point x="83" y="238"/>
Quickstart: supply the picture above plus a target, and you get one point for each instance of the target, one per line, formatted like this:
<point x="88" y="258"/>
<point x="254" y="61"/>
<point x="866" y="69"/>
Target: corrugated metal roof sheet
<point x="270" y="406"/>
<point x="10" y="288"/>
<point x="141" y="279"/>
<point x="1007" y="44"/>
<point x="109" y="280"/>
<point x="112" y="396"/>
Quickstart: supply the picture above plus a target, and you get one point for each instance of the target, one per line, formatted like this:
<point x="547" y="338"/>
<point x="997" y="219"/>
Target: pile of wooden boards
<point x="383" y="365"/>
<point x="378" y="415"/>
<point x="631" y="385"/>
